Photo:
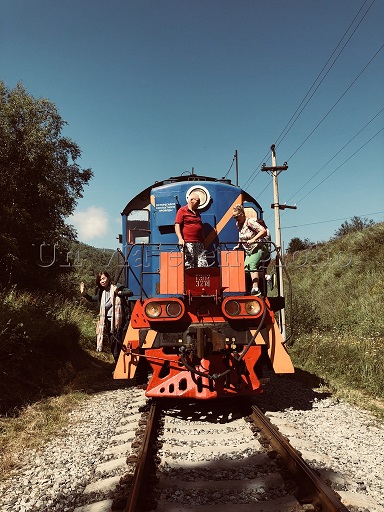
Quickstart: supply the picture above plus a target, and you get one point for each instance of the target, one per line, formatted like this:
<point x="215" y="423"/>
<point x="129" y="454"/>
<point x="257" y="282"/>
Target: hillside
<point x="338" y="297"/>
<point x="47" y="336"/>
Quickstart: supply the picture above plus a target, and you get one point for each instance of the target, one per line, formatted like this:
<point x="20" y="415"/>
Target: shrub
<point x="44" y="343"/>
<point x="337" y="309"/>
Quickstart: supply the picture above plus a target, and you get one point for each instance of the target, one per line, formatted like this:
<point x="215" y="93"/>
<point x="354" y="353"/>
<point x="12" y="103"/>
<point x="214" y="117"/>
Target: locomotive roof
<point x="176" y="179"/>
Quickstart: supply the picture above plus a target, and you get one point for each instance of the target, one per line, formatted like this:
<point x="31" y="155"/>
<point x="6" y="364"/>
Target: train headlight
<point x="173" y="309"/>
<point x="253" y="307"/>
<point x="162" y="309"/>
<point x="232" y="308"/>
<point x="203" y="194"/>
<point x="153" y="309"/>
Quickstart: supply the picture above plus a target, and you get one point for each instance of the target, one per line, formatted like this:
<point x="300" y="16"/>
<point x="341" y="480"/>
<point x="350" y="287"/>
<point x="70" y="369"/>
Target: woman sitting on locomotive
<point x="253" y="236"/>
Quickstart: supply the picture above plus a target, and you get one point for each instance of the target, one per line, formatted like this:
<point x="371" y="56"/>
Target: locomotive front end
<point x="199" y="329"/>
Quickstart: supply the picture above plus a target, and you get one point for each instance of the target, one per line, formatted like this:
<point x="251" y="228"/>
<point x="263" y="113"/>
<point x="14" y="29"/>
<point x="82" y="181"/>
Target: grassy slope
<point x="47" y="340"/>
<point x="46" y="348"/>
<point x="338" y="311"/>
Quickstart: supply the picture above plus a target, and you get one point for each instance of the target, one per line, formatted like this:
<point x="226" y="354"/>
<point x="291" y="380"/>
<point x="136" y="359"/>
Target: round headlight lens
<point x="232" y="308"/>
<point x="153" y="309"/>
<point x="253" y="307"/>
<point x="173" y="309"/>
<point x="203" y="194"/>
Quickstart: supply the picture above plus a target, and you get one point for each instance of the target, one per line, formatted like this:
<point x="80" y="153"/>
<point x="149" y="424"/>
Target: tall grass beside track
<point x="338" y="321"/>
<point x="47" y="365"/>
<point x="46" y="347"/>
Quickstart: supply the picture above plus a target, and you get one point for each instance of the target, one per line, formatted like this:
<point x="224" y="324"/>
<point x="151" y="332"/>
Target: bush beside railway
<point x="337" y="311"/>
<point x="46" y="348"/>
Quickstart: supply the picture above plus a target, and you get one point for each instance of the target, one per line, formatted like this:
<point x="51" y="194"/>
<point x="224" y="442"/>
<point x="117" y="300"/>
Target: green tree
<point x="41" y="182"/>
<point x="356" y="224"/>
<point x="296" y="244"/>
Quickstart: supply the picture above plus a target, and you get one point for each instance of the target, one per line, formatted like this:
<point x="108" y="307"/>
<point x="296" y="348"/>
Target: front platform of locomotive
<point x="199" y="329"/>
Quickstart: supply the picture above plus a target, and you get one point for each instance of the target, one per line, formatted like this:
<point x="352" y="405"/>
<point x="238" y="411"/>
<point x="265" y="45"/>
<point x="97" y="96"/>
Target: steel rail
<point x="319" y="492"/>
<point x="139" y="479"/>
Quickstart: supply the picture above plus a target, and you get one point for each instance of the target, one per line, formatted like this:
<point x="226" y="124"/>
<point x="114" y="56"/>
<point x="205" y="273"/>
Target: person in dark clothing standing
<point x="111" y="314"/>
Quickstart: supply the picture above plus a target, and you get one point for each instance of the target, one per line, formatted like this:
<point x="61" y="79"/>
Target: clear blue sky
<point x="152" y="88"/>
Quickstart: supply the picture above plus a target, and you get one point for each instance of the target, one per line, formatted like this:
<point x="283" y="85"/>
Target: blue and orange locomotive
<point x="199" y="328"/>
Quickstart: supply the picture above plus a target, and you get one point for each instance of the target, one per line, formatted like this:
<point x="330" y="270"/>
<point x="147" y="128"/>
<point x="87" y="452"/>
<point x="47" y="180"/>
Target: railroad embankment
<point x="337" y="313"/>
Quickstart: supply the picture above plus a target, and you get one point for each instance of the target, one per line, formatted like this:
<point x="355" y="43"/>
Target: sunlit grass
<point x="338" y="323"/>
<point x="350" y="362"/>
<point x="34" y="425"/>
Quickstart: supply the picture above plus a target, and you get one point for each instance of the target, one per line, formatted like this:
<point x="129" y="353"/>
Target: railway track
<point x="186" y="456"/>
<point x="108" y="489"/>
<point x="182" y="456"/>
<point x="201" y="455"/>
<point x="198" y="458"/>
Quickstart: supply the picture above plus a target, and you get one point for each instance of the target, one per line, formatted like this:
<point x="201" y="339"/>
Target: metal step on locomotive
<point x="200" y="330"/>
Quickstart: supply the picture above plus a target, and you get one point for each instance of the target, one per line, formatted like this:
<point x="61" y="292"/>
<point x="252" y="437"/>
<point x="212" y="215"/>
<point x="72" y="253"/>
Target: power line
<point x="230" y="167"/>
<point x="334" y="156"/>
<point x="265" y="188"/>
<point x="332" y="220"/>
<point x="345" y="161"/>
<point x="334" y="105"/>
<point x="252" y="178"/>
<point x="337" y="168"/>
<point x="287" y="128"/>
<point x="279" y="139"/>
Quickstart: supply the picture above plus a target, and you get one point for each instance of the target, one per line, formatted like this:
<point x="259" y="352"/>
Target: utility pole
<point x="237" y="168"/>
<point x="275" y="171"/>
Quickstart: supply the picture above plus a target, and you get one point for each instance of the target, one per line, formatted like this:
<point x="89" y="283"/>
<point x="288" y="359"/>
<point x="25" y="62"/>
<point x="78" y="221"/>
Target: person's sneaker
<point x="255" y="291"/>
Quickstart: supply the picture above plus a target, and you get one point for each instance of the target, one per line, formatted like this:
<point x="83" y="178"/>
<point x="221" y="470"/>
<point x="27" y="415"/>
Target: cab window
<point x="138" y="227"/>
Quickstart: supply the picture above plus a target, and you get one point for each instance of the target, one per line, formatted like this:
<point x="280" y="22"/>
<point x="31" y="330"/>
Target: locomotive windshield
<point x="138" y="227"/>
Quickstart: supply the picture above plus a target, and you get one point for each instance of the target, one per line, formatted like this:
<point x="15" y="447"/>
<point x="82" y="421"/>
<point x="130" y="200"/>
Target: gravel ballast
<point x="54" y="477"/>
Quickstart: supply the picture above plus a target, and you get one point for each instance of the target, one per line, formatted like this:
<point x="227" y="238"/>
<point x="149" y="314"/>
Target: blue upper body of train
<point x="148" y="225"/>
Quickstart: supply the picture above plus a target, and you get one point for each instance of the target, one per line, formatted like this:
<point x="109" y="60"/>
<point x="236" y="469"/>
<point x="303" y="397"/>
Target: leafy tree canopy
<point x="356" y="224"/>
<point x="41" y="180"/>
<point x="296" y="244"/>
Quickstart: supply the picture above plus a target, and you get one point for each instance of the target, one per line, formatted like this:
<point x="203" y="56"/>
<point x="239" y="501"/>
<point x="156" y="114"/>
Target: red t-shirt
<point x="190" y="224"/>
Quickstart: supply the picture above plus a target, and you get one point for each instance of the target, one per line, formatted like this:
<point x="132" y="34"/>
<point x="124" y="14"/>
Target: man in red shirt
<point x="189" y="231"/>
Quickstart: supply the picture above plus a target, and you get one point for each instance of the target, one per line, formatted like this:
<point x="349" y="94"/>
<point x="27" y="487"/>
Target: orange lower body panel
<point x="170" y="379"/>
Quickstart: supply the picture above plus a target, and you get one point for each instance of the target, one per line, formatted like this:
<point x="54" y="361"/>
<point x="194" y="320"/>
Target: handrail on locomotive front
<point x="148" y="250"/>
<point x="221" y="246"/>
<point x="211" y="255"/>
